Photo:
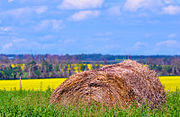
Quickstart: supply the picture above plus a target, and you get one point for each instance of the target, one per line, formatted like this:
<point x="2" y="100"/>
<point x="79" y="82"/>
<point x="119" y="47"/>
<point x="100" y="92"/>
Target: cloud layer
<point x="80" y="4"/>
<point x="82" y="15"/>
<point x="24" y="11"/>
<point x="134" y="5"/>
<point x="171" y="10"/>
<point x="90" y="26"/>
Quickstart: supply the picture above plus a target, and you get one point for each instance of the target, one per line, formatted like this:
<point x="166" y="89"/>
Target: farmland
<point x="36" y="94"/>
<point x="36" y="103"/>
<point x="89" y="58"/>
<point x="31" y="84"/>
<point x="170" y="83"/>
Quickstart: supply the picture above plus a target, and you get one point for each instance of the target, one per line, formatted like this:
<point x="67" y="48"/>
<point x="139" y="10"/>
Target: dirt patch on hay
<point x="120" y="84"/>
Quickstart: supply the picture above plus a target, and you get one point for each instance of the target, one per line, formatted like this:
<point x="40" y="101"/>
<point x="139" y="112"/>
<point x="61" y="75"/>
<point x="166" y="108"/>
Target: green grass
<point x="36" y="103"/>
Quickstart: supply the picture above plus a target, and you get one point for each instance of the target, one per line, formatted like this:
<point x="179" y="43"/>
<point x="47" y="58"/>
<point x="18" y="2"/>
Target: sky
<point x="118" y="27"/>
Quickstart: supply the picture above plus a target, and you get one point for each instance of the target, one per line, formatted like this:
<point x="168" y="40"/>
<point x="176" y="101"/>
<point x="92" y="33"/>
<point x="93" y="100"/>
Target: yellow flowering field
<point x="31" y="84"/>
<point x="170" y="83"/>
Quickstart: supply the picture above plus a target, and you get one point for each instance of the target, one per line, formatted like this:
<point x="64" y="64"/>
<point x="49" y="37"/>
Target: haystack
<point x="113" y="85"/>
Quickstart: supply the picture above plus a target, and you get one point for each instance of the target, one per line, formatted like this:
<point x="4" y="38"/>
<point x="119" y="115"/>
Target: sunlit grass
<point x="36" y="104"/>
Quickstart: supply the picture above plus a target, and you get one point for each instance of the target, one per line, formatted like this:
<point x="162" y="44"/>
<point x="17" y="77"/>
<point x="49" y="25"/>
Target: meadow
<point x="36" y="103"/>
<point x="169" y="82"/>
<point x="33" y="100"/>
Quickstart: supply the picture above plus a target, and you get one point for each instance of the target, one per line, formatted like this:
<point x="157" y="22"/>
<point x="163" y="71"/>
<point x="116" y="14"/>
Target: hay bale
<point x="119" y="84"/>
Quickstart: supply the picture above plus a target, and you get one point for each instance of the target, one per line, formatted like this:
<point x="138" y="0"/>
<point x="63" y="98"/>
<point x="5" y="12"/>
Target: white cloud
<point x="115" y="10"/>
<point x="25" y="11"/>
<point x="12" y="43"/>
<point x="57" y="24"/>
<point x="18" y="40"/>
<point x="52" y="24"/>
<point x="168" y="1"/>
<point x="17" y="12"/>
<point x="134" y="5"/>
<point x="5" y="29"/>
<point x="171" y="10"/>
<point x="81" y="15"/>
<point x="41" y="9"/>
<point x="156" y="6"/>
<point x="172" y="35"/>
<point x="10" y="0"/>
<point x="7" y="46"/>
<point x="80" y="4"/>
<point x="138" y="45"/>
<point x="169" y="43"/>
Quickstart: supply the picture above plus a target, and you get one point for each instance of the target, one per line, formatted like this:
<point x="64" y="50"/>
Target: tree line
<point x="55" y="66"/>
<point x="55" y="59"/>
<point x="44" y="70"/>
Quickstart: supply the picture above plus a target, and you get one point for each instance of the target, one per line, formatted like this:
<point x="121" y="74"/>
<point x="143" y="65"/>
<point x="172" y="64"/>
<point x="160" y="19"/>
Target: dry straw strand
<point x="118" y="84"/>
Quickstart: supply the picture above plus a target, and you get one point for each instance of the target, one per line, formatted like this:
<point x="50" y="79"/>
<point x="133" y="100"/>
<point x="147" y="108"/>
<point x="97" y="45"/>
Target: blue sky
<point x="135" y="27"/>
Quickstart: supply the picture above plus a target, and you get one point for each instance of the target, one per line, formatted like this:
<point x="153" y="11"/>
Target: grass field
<point x="36" y="103"/>
<point x="170" y="83"/>
<point x="33" y="100"/>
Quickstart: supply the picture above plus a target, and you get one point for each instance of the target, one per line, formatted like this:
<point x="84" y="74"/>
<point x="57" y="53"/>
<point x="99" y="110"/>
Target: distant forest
<point x="60" y="66"/>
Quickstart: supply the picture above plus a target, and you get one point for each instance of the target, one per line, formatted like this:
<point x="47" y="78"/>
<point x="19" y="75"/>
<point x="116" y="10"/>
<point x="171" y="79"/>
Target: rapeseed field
<point x="31" y="84"/>
<point x="171" y="83"/>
